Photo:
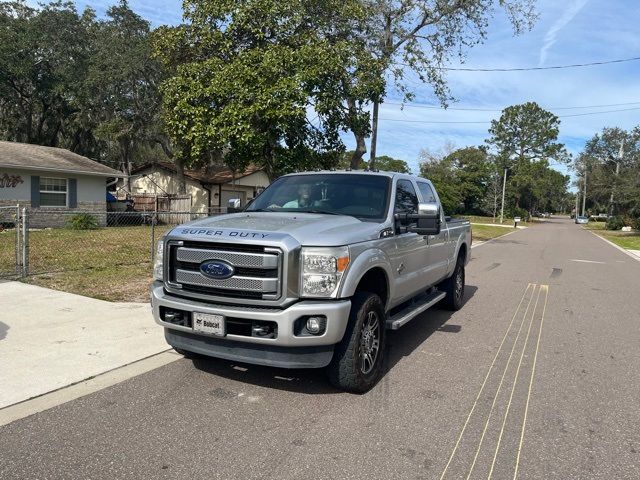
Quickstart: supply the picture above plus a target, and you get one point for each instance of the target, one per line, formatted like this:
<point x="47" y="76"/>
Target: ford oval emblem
<point x="216" y="269"/>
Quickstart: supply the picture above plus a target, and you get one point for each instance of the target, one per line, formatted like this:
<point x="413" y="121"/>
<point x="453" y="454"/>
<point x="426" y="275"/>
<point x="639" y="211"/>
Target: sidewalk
<point x="51" y="339"/>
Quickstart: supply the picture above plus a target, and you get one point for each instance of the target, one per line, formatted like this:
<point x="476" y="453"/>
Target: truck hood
<point x="308" y="229"/>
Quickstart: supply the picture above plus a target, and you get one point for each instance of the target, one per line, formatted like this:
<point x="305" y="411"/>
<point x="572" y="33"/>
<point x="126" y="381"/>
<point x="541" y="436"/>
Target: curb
<point x="484" y="242"/>
<point x="623" y="250"/>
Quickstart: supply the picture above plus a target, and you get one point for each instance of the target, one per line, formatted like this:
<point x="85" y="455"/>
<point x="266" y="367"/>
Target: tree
<point x="384" y="163"/>
<point x="43" y="58"/>
<point x="422" y="35"/>
<point x="389" y="164"/>
<point x="123" y="80"/>
<point x="459" y="177"/>
<point x="69" y="80"/>
<point x="613" y="179"/>
<point x="244" y="77"/>
<point x="525" y="139"/>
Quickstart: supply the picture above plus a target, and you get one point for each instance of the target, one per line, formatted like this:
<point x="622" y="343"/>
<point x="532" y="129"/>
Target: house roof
<point x="211" y="175"/>
<point x="51" y="159"/>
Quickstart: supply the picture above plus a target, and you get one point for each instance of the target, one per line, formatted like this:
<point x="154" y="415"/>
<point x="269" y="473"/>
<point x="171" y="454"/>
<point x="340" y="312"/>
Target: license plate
<point x="209" y="324"/>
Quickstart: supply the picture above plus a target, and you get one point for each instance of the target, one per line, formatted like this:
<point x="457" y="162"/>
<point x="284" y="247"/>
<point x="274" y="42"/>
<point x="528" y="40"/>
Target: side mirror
<point x="427" y="219"/>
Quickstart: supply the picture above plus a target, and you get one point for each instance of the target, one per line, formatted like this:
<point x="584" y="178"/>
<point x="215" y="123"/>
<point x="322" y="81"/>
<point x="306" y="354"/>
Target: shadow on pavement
<point x="4" y="328"/>
<point x="400" y="343"/>
<point x="310" y="381"/>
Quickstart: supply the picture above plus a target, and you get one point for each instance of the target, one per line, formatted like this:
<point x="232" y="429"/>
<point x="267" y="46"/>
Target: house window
<point x="53" y="192"/>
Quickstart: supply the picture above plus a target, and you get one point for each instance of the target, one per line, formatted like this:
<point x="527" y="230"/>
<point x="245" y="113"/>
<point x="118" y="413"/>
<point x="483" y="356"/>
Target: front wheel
<point x="358" y="358"/>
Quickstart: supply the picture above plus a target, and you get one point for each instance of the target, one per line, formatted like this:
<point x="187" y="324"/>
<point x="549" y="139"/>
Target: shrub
<point x="82" y="221"/>
<point x="519" y="212"/>
<point x="614" y="223"/>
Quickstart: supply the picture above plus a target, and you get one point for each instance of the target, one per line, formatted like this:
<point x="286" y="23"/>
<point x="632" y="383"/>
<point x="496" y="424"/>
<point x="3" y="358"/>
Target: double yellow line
<point x="541" y="289"/>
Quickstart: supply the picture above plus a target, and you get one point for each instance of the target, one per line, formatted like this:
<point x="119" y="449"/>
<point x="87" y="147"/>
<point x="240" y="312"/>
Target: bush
<point x="82" y="221"/>
<point x="614" y="223"/>
<point x="519" y="212"/>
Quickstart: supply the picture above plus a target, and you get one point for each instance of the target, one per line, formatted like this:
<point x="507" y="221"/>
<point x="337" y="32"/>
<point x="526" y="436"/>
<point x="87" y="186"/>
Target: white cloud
<point x="550" y="38"/>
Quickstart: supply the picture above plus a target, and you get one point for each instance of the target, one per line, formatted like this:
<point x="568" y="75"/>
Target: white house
<point x="52" y="180"/>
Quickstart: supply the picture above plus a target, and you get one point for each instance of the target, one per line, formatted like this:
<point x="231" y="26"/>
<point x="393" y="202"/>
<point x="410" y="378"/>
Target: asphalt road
<point x="537" y="376"/>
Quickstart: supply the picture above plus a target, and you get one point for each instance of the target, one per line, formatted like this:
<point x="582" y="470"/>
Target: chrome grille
<point x="243" y="259"/>
<point x="262" y="285"/>
<point x="258" y="270"/>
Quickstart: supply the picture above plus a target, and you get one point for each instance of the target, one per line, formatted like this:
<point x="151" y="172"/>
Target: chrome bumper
<point x="336" y="311"/>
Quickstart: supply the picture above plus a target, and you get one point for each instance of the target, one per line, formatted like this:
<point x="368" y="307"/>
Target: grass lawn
<point x="485" y="232"/>
<point x="490" y="220"/>
<point x="7" y="251"/>
<point x="628" y="240"/>
<point x="112" y="263"/>
<point x="595" y="225"/>
<point x="125" y="283"/>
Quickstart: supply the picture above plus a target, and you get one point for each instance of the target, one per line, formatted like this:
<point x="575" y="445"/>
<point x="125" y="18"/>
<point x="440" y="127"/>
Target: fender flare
<point x="373" y="258"/>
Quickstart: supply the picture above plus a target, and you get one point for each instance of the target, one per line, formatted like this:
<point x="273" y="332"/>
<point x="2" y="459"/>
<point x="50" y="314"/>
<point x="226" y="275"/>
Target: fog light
<point x="314" y="325"/>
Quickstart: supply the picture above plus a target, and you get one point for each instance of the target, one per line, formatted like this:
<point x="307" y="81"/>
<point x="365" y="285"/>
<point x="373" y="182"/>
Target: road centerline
<point x="504" y="374"/>
<point x="484" y="383"/>
<point x="533" y="372"/>
<point x="515" y="381"/>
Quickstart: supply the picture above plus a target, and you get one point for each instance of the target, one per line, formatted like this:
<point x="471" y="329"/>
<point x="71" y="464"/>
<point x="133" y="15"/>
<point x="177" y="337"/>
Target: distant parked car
<point x="581" y="219"/>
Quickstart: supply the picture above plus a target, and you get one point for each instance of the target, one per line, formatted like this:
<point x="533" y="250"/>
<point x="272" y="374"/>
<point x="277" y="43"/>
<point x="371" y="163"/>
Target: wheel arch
<point x="369" y="272"/>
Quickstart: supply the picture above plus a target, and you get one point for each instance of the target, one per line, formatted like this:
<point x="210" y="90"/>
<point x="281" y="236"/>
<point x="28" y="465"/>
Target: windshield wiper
<point x="324" y="212"/>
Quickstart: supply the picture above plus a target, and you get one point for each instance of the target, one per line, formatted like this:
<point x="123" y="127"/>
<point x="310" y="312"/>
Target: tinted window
<point x="362" y="196"/>
<point x="427" y="192"/>
<point x="406" y="198"/>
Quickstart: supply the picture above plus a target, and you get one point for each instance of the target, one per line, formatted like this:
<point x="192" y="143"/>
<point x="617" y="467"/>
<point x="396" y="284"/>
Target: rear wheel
<point x="358" y="358"/>
<point x="454" y="286"/>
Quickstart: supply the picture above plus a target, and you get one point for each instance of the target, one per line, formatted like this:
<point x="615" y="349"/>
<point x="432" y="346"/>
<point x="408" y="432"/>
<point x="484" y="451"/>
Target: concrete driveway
<point x="51" y="339"/>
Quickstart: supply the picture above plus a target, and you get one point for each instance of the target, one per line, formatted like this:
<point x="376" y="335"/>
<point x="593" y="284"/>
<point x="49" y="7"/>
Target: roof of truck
<point x="356" y="172"/>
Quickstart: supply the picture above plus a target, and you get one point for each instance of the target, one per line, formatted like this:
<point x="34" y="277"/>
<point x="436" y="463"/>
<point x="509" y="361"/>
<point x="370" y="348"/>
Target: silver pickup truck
<point x="312" y="273"/>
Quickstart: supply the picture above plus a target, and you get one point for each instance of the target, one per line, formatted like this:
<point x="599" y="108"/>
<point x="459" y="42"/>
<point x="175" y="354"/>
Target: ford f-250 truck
<point x="312" y="273"/>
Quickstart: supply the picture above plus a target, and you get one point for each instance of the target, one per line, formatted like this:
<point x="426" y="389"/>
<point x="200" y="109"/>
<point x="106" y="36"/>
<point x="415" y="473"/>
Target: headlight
<point x="158" y="263"/>
<point x="322" y="269"/>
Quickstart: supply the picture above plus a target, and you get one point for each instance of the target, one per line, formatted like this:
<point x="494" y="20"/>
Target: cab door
<point x="440" y="244"/>
<point x="410" y="254"/>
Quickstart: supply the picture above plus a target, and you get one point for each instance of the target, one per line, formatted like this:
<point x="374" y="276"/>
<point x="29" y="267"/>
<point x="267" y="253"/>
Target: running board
<point x="419" y="305"/>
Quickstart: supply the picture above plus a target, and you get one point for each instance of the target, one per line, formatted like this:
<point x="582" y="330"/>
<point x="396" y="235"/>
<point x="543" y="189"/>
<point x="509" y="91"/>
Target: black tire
<point x="454" y="287"/>
<point x="354" y="367"/>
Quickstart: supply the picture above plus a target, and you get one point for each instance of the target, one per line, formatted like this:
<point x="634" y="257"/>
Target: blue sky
<point x="567" y="32"/>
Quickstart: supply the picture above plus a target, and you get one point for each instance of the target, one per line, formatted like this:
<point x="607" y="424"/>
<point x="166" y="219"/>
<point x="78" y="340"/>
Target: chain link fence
<point x="101" y="254"/>
<point x="10" y="260"/>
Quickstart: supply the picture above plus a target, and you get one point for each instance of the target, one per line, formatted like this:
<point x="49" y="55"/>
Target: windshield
<point x="363" y="196"/>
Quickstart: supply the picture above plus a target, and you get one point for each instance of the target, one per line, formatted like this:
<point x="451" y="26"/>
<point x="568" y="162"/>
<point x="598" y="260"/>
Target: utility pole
<point x="374" y="137"/>
<point x="615" y="180"/>
<point x="504" y="186"/>
<point x="584" y="193"/>
<point x="577" y="200"/>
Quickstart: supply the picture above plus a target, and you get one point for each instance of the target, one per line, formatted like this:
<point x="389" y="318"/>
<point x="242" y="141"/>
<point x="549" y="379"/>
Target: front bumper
<point x="336" y="312"/>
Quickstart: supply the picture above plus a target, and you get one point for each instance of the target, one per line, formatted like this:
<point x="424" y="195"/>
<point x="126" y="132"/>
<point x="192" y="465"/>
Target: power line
<point x="525" y="69"/>
<point x="472" y="109"/>
<point x="486" y="123"/>
<point x="603" y="111"/>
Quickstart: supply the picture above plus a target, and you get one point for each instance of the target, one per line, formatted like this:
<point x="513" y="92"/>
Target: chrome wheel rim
<point x="369" y="342"/>
<point x="459" y="284"/>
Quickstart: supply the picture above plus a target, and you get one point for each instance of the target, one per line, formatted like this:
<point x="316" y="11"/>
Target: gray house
<point x="52" y="180"/>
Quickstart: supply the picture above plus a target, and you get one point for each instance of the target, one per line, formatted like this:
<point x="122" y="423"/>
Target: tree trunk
<point x="359" y="134"/>
<point x="182" y="183"/>
<point x="358" y="153"/>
